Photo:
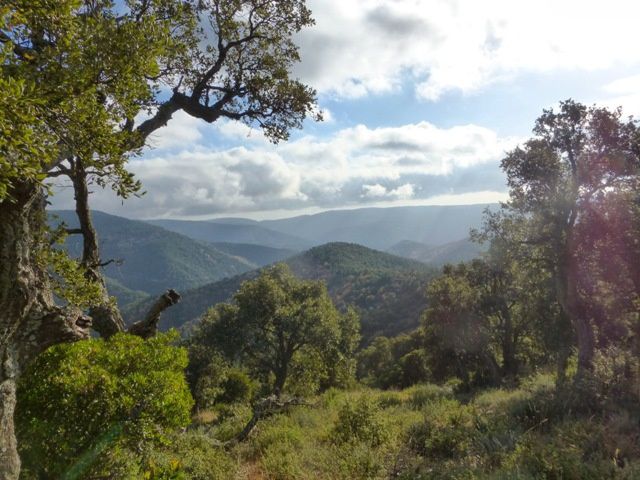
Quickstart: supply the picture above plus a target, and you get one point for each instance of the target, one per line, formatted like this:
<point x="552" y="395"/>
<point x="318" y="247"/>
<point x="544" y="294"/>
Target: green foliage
<point x="280" y="328"/>
<point x="446" y="432"/>
<point x="192" y="455"/>
<point x="78" y="402"/>
<point x="386" y="291"/>
<point x="394" y="362"/>
<point x="569" y="220"/>
<point x="426" y="432"/>
<point x="359" y="422"/>
<point x="219" y="382"/>
<point x="69" y="280"/>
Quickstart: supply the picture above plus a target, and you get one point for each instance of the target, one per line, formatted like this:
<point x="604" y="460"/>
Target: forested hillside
<point x="437" y="256"/>
<point x="151" y="259"/>
<point x="237" y="232"/>
<point x="388" y="291"/>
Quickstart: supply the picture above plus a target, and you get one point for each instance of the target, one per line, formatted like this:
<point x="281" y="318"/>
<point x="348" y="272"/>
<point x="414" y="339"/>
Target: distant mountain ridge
<point x="377" y="228"/>
<point x="387" y="290"/>
<point x="256" y="255"/>
<point x="437" y="256"/>
<point x="249" y="233"/>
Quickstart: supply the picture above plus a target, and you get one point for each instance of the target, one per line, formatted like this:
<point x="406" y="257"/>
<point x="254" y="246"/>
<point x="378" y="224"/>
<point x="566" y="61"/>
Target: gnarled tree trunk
<point x="30" y="321"/>
<point x="106" y="316"/>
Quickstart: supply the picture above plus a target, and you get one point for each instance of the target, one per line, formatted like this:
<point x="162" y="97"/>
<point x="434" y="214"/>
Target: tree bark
<point x="281" y="379"/>
<point x="30" y="321"/>
<point x="147" y="327"/>
<point x="106" y="316"/>
<point x="509" y="360"/>
<point x="569" y="300"/>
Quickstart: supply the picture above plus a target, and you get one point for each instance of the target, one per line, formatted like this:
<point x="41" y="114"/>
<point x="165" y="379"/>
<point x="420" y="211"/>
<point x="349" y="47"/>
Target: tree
<point x="579" y="160"/>
<point x="75" y="76"/>
<point x="276" y="323"/>
<point x="396" y="362"/>
<point x="458" y="333"/>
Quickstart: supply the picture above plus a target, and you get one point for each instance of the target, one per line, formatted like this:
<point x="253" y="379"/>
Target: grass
<point x="426" y="432"/>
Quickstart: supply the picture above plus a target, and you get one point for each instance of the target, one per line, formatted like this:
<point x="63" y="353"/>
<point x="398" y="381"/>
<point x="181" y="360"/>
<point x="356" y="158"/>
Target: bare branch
<point x="147" y="327"/>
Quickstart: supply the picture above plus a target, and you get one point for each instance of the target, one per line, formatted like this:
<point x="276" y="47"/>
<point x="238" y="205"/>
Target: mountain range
<point x="438" y="255"/>
<point x="387" y="291"/>
<point x="150" y="259"/>
<point x="378" y="228"/>
<point x="207" y="260"/>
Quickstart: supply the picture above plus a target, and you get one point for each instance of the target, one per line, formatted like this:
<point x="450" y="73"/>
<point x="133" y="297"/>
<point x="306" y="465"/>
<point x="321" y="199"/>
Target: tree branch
<point x="148" y="327"/>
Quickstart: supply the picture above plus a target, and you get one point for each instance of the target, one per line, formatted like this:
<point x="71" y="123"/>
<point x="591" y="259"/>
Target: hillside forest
<point x="492" y="342"/>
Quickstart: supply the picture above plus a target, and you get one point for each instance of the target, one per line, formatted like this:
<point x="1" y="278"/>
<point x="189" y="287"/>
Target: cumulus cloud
<point x="362" y="47"/>
<point x="623" y="92"/>
<point x="354" y="166"/>
<point x="182" y="131"/>
<point x="403" y="192"/>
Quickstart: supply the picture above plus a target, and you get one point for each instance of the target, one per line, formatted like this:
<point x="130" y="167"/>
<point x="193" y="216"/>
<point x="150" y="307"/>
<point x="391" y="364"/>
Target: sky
<point x="421" y="99"/>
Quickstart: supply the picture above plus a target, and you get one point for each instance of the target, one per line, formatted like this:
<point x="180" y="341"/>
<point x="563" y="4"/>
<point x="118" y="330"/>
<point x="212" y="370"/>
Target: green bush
<point x="446" y="432"/>
<point x="422" y="395"/>
<point x="218" y="382"/>
<point x="79" y="401"/>
<point x="573" y="451"/>
<point x="190" y="455"/>
<point x="360" y="421"/>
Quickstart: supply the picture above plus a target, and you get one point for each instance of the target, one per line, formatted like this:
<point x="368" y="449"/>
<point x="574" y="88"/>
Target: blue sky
<point x="422" y="99"/>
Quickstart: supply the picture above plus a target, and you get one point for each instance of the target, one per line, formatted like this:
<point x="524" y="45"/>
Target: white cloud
<point x="181" y="132"/>
<point x="360" y="47"/>
<point x="354" y="166"/>
<point x="403" y="192"/>
<point x="623" y="92"/>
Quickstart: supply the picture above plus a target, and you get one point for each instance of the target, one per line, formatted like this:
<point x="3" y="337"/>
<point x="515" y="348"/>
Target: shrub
<point x="446" y="432"/>
<point x="573" y="450"/>
<point x="236" y="387"/>
<point x="218" y="382"/>
<point x="422" y="395"/>
<point x="360" y="421"/>
<point x="79" y="401"/>
<point x="191" y="455"/>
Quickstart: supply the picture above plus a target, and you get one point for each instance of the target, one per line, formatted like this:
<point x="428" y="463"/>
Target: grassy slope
<point x="387" y="290"/>
<point x="426" y="432"/>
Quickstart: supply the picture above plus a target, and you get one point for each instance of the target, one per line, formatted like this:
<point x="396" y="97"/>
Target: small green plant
<point x="360" y="421"/>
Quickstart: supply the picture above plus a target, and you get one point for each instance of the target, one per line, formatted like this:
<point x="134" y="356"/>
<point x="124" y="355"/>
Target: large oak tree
<point x="572" y="215"/>
<point x="76" y="75"/>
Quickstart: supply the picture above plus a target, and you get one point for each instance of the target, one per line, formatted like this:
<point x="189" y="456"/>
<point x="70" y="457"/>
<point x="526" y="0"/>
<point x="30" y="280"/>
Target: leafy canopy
<point x="80" y="401"/>
<point x="282" y="327"/>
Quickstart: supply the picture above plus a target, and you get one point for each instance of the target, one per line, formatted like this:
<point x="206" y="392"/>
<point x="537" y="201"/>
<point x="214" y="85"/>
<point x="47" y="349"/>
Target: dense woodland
<point x="341" y="363"/>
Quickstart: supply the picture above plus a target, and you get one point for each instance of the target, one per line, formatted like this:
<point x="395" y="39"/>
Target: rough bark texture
<point x="29" y="319"/>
